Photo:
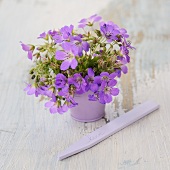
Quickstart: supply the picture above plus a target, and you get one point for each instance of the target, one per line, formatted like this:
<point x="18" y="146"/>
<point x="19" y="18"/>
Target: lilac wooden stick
<point x="109" y="129"/>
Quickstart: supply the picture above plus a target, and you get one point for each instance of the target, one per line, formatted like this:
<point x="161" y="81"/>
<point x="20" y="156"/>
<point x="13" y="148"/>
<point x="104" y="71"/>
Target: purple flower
<point x="46" y="91"/>
<point x="123" y="33"/>
<point x="58" y="37"/>
<point x="30" y="89"/>
<point x="79" y="83"/>
<point x="106" y="78"/>
<point x="29" y="49"/>
<point x="105" y="96"/>
<point x="123" y="69"/>
<point x="52" y="33"/>
<point x="81" y="45"/>
<point x="65" y="34"/>
<point x="94" y="96"/>
<point x="43" y="90"/>
<point x="89" y="21"/>
<point x="55" y="106"/>
<point x="90" y="81"/>
<point x="125" y="52"/>
<point x="60" y="80"/>
<point x="70" y="102"/>
<point x="127" y="44"/>
<point x="109" y="30"/>
<point x="68" y="55"/>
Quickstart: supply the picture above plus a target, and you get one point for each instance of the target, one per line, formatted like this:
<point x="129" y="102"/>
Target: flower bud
<point x="37" y="55"/>
<point x="37" y="78"/>
<point x="32" y="47"/>
<point x="32" y="71"/>
<point x="98" y="33"/>
<point x="41" y="49"/>
<point x="33" y="77"/>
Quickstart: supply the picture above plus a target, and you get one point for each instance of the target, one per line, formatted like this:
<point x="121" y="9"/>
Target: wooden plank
<point x="31" y="138"/>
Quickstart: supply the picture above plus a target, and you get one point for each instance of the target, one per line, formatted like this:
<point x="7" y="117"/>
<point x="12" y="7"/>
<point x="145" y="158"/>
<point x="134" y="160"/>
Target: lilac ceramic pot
<point x="87" y="111"/>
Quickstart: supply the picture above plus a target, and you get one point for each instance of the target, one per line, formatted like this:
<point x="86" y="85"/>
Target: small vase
<point x="87" y="111"/>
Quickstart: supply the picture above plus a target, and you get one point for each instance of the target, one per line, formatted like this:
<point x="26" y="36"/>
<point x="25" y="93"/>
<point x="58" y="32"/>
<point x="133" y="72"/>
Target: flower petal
<point x="54" y="109"/>
<point x="85" y="46"/>
<point x="101" y="97"/>
<point x="94" y="87"/>
<point x="104" y="74"/>
<point x="64" y="108"/>
<point x="97" y="18"/>
<point x="42" y="35"/>
<point x="112" y="82"/>
<point x="113" y="75"/>
<point x="74" y="63"/>
<point x="74" y="50"/>
<point x="65" y="64"/>
<point x="67" y="46"/>
<point x="49" y="104"/>
<point x="97" y="79"/>
<point x="81" y="25"/>
<point x="27" y="87"/>
<point x="60" y="55"/>
<point x="114" y="91"/>
<point x="92" y="97"/>
<point x="25" y="47"/>
<point x="31" y="91"/>
<point x="124" y="69"/>
<point x="107" y="98"/>
<point x="30" y="55"/>
<point x="83" y="20"/>
<point x="90" y="72"/>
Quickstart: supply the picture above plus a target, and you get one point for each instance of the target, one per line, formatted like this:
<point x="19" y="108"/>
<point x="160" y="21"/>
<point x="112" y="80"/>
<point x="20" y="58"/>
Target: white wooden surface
<point x="31" y="138"/>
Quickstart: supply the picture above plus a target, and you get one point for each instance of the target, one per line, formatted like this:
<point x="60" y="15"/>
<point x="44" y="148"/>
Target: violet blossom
<point x="81" y="45"/>
<point x="60" y="80"/>
<point x="106" y="78"/>
<point x="79" y="82"/>
<point x="109" y="30"/>
<point x="52" y="33"/>
<point x="69" y="99"/>
<point x="94" y="96"/>
<point x="64" y="34"/>
<point x="123" y="33"/>
<point x="68" y="55"/>
<point x="29" y="49"/>
<point x="105" y="95"/>
<point x="55" y="106"/>
<point x="91" y="85"/>
<point x="89" y="21"/>
<point x="30" y="89"/>
<point x="123" y="69"/>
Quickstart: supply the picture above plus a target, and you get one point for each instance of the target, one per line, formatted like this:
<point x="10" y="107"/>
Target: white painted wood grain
<point x="31" y="138"/>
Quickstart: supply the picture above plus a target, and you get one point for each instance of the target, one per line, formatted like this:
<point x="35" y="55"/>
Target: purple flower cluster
<point x="101" y="87"/>
<point x="105" y="89"/>
<point x="112" y="32"/>
<point x="72" y="47"/>
<point x="71" y="62"/>
<point x="43" y="90"/>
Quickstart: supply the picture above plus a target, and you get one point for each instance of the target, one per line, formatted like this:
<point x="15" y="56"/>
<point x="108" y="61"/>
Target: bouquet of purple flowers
<point x="75" y="61"/>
